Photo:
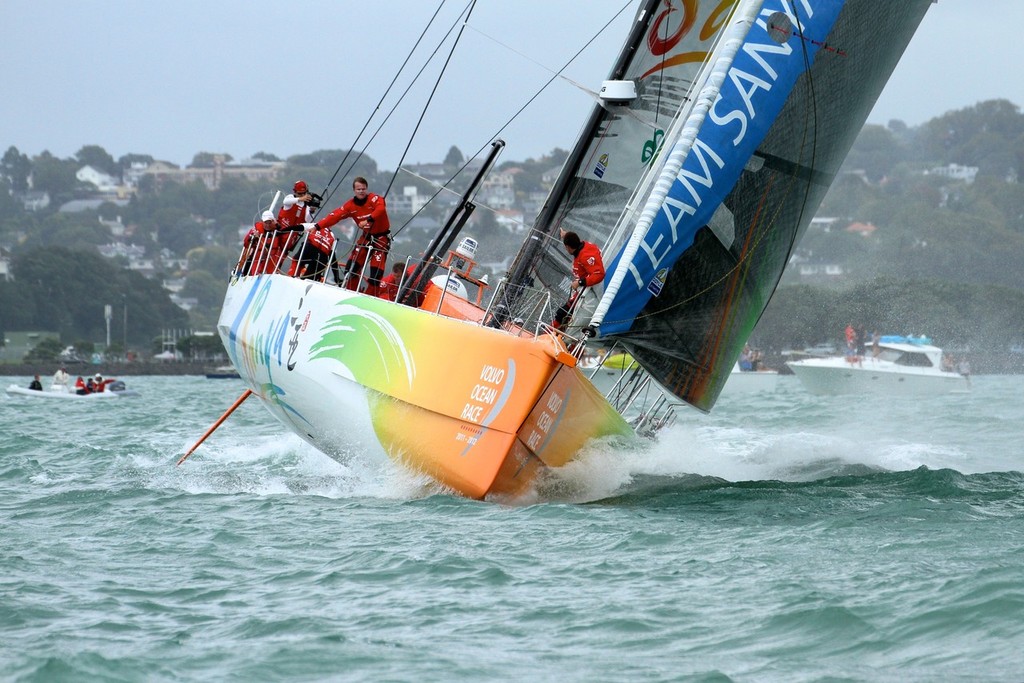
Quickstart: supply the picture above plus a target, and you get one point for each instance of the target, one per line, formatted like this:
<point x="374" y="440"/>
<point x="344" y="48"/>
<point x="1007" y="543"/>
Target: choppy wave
<point x="781" y="537"/>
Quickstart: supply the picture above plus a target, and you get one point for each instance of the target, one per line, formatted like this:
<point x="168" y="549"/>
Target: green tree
<point x="876" y="151"/>
<point x="209" y="159"/>
<point x="80" y="231"/>
<point x="201" y="347"/>
<point x="213" y="259"/>
<point x="205" y="288"/>
<point x="98" y="158"/>
<point x="974" y="136"/>
<point x="53" y="175"/>
<point x="67" y="290"/>
<point x="454" y="158"/>
<point x="46" y="351"/>
<point x="16" y="168"/>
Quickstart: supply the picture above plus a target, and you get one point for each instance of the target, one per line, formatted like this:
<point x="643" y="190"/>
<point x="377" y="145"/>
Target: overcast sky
<point x="175" y="78"/>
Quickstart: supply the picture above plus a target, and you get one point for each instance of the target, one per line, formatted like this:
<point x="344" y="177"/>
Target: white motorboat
<point x="59" y="392"/>
<point x="909" y="366"/>
<point x="223" y="372"/>
<point x="750" y="381"/>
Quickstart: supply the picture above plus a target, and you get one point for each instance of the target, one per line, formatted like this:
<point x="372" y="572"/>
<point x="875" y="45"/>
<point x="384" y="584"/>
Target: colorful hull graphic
<point x="477" y="409"/>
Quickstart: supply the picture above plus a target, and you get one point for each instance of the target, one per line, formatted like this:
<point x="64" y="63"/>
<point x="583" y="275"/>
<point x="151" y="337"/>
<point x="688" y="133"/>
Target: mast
<point x="531" y="250"/>
<point x="412" y="291"/>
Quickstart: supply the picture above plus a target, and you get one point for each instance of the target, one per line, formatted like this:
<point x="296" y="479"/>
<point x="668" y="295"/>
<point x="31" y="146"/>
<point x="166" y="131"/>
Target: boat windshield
<point x="918" y="360"/>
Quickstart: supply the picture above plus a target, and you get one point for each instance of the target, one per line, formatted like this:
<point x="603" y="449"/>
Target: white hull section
<point x="327" y="409"/>
<point x="840" y="376"/>
<point x="751" y="382"/>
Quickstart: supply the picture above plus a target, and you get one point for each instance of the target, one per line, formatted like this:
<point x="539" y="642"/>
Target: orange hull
<point x="478" y="409"/>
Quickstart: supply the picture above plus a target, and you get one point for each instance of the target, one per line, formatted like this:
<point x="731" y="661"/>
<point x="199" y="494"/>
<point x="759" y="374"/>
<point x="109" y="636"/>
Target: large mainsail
<point x="700" y="247"/>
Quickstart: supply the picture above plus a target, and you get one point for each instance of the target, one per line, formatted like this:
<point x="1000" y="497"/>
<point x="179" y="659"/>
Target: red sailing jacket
<point x="270" y="251"/>
<point x="373" y="209"/>
<point x="389" y="287"/>
<point x="295" y="214"/>
<point x="587" y="264"/>
<point x="322" y="239"/>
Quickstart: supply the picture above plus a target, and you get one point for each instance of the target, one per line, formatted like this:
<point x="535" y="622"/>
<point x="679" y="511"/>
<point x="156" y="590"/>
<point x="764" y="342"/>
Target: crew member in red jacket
<point x="266" y="244"/>
<point x="317" y="254"/>
<point x="587" y="271"/>
<point x="389" y="285"/>
<point x="296" y="209"/>
<point x="370" y="213"/>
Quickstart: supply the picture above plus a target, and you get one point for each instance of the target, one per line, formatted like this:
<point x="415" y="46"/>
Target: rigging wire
<point x="406" y="92"/>
<point x="329" y="191"/>
<point x="661" y="72"/>
<point x="556" y="74"/>
<point x="813" y="114"/>
<point x="433" y="91"/>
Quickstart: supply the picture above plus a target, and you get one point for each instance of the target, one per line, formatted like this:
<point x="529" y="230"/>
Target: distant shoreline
<point x="982" y="363"/>
<point x="107" y="369"/>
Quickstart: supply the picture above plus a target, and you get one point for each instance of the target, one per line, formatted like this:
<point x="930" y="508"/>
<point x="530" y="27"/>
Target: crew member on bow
<point x="587" y="271"/>
<point x="297" y="207"/>
<point x="316" y="255"/>
<point x="266" y="244"/>
<point x="389" y="285"/>
<point x="370" y="214"/>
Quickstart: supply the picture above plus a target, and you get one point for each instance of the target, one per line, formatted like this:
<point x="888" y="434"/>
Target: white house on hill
<point x="102" y="181"/>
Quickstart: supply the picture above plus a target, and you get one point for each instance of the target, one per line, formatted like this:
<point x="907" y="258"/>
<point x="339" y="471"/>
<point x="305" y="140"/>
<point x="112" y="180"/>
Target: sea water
<point x="782" y="537"/>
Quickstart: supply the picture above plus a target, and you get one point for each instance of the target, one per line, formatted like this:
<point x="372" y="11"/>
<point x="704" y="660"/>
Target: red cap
<point x="300" y="187"/>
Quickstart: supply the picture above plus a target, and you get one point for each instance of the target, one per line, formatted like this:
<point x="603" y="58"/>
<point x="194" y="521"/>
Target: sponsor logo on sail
<point x="651" y="146"/>
<point x="602" y="166"/>
<point x="659" y="39"/>
<point x="658" y="283"/>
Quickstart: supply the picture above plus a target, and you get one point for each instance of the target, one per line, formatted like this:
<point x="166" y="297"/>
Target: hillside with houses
<point x="939" y="202"/>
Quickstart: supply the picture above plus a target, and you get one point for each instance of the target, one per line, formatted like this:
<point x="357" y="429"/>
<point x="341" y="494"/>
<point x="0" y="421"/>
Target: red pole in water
<point x="246" y="394"/>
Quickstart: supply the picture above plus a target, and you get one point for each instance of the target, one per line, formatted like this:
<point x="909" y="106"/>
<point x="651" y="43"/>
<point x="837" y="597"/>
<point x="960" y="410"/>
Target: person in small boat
<point x="36" y="385"/>
<point x="90" y="386"/>
<point x="80" y="388"/>
<point x="60" y="378"/>
<point x="587" y="271"/>
<point x="100" y="385"/>
<point x="369" y="211"/>
<point x="747" y="358"/>
<point x="297" y="207"/>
